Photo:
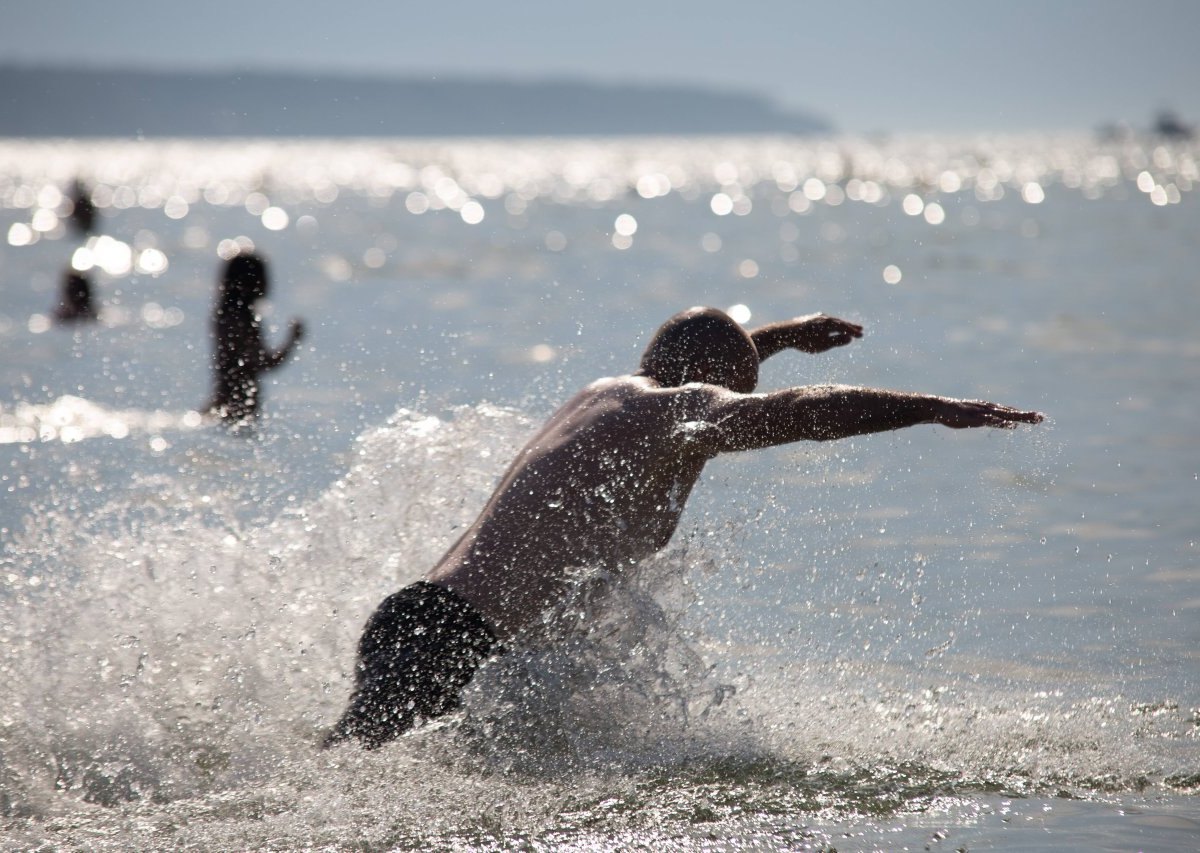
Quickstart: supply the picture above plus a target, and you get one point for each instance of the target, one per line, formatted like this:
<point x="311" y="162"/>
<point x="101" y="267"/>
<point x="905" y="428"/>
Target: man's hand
<point x="812" y="334"/>
<point x="819" y="333"/>
<point x="965" y="414"/>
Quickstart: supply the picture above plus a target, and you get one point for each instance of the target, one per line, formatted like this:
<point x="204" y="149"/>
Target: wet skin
<point x="605" y="480"/>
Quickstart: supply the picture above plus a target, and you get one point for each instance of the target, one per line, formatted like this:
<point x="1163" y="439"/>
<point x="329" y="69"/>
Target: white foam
<point x="183" y="673"/>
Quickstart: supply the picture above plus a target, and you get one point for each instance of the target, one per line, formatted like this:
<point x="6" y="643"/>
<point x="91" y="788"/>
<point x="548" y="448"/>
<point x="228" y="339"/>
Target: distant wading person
<point x="83" y="212"/>
<point x="604" y="483"/>
<point x="240" y="356"/>
<point x="75" y="300"/>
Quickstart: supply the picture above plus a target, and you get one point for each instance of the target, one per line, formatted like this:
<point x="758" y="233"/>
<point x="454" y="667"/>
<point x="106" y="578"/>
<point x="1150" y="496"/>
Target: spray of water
<point x="168" y="676"/>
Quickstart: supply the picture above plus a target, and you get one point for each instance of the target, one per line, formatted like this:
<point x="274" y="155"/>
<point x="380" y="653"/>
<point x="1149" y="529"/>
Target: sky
<point x="864" y="65"/>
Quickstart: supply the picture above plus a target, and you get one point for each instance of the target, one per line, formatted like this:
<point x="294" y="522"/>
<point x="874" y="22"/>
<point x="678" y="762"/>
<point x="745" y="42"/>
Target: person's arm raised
<point x="813" y="334"/>
<point x="827" y="412"/>
<point x="272" y="360"/>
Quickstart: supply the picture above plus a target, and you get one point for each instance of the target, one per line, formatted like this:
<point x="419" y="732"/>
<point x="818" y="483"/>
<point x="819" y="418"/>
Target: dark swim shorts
<point x="418" y="651"/>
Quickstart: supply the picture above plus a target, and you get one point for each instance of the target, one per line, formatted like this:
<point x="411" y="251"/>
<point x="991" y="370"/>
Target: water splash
<point x="179" y="673"/>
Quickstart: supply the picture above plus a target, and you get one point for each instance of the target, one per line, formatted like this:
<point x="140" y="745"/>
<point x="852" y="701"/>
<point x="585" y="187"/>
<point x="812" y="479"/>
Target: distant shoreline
<point x="58" y="101"/>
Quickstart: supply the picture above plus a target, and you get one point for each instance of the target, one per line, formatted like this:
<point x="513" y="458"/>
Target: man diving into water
<point x="604" y="483"/>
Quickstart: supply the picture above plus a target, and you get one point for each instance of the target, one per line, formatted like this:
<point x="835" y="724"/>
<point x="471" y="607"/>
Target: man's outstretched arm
<point x="814" y="333"/>
<point x="827" y="412"/>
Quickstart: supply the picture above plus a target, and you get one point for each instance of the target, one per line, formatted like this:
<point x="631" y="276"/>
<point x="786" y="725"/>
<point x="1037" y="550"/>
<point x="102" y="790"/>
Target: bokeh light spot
<point x="472" y="212"/>
<point x="274" y="219"/>
<point x="740" y="313"/>
<point x="151" y="262"/>
<point x="416" y="202"/>
<point x="721" y="204"/>
<point x="20" y="234"/>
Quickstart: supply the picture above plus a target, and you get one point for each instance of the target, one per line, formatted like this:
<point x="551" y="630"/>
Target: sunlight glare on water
<point x="927" y="636"/>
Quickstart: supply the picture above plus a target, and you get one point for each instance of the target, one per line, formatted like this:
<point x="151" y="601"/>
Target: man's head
<point x="702" y="345"/>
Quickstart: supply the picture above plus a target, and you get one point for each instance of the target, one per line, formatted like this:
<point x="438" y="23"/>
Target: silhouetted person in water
<point x="603" y="484"/>
<point x="83" y="212"/>
<point x="75" y="302"/>
<point x="1168" y="124"/>
<point x="240" y="355"/>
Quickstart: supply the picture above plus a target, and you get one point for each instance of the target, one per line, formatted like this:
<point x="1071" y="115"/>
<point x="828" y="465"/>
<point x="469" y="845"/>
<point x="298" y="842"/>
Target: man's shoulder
<point x="633" y="392"/>
<point x="638" y="384"/>
<point x="628" y="385"/>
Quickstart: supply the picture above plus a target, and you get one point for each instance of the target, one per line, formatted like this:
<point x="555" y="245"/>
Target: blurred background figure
<point x="240" y="354"/>
<point x="75" y="303"/>
<point x="1168" y="124"/>
<point x="83" y="212"/>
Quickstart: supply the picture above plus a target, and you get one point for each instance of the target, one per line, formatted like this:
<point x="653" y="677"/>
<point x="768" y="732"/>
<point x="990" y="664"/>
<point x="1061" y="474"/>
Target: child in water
<point x="240" y="355"/>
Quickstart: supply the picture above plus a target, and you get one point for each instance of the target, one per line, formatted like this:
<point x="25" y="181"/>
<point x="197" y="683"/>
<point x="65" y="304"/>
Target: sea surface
<point x="921" y="640"/>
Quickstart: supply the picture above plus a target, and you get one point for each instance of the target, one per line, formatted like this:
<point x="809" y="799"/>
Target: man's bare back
<point x="605" y="481"/>
<point x="602" y="484"/>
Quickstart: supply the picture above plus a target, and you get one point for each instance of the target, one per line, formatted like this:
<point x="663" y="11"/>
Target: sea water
<point x="925" y="639"/>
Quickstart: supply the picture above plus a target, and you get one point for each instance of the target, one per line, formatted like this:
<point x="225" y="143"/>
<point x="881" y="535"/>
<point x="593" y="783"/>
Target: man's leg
<point x="419" y="649"/>
<point x="381" y="707"/>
